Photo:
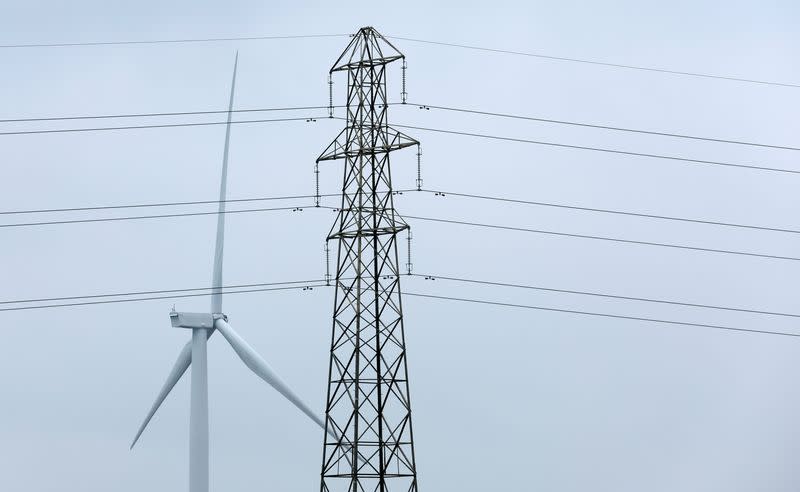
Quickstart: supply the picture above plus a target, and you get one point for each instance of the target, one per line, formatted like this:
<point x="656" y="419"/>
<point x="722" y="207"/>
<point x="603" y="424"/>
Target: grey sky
<point x="503" y="399"/>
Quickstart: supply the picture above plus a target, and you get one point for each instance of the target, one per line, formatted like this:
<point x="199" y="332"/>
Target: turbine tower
<point x="203" y="326"/>
<point x="369" y="445"/>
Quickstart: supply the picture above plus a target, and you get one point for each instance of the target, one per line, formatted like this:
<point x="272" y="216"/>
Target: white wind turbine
<point x="203" y="326"/>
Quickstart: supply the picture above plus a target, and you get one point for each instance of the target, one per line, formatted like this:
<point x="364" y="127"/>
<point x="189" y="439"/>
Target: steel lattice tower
<point x="368" y="407"/>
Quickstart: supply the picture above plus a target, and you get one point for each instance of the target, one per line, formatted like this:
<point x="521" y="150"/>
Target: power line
<point x="616" y="212"/>
<point x="165" y="125"/>
<point x="163" y="216"/>
<point x="431" y="219"/>
<point x="310" y="284"/>
<point x="429" y="191"/>
<point x="603" y="238"/>
<point x="153" y="115"/>
<point x="604" y="295"/>
<point x="444" y="108"/>
<point x="326" y="195"/>
<point x="603" y="315"/>
<point x="163" y="204"/>
<point x="606" y="127"/>
<point x="170" y="41"/>
<point x="437" y="130"/>
<point x="599" y="149"/>
<point x="595" y="62"/>
<point x="222" y="289"/>
<point x="153" y="298"/>
<point x="226" y="289"/>
<point x="169" y="113"/>
<point x="414" y="40"/>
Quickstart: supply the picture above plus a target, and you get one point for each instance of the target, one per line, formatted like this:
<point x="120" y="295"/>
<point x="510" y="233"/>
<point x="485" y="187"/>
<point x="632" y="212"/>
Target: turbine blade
<point x="259" y="366"/>
<point x="216" y="281"/>
<point x="183" y="362"/>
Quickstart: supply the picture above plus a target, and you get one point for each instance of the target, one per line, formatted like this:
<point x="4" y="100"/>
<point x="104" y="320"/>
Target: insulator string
<point x="409" y="265"/>
<point x="403" y="93"/>
<point x="316" y="176"/>
<point x="327" y="264"/>
<point x="419" y="167"/>
<point x="330" y="96"/>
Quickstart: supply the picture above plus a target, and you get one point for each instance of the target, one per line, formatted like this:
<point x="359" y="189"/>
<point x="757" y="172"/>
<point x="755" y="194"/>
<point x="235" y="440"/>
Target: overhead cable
<point x="597" y="62"/>
<point x="169" y="41"/>
<point x="88" y="300"/>
<point x="225" y="289"/>
<point x="604" y="295"/>
<point x="425" y="106"/>
<point x="164" y="125"/>
<point x="600" y="149"/>
<point x="442" y="193"/>
<point x="155" y="115"/>
<point x="605" y="127"/>
<point x="161" y="216"/>
<point x="161" y="204"/>
<point x="603" y="315"/>
<point x="153" y="298"/>
<point x="414" y="40"/>
<point x="609" y="211"/>
<point x="430" y="219"/>
<point x="603" y="238"/>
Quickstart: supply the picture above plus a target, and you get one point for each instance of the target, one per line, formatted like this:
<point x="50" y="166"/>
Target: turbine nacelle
<point x="194" y="320"/>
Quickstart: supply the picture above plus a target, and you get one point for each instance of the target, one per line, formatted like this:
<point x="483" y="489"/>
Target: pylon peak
<point x="367" y="47"/>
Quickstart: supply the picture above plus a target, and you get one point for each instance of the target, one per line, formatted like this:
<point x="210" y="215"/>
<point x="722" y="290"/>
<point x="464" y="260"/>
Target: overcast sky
<point x="503" y="399"/>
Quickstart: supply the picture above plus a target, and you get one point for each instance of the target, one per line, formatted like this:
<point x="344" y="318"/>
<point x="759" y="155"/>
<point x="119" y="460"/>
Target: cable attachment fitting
<point x="404" y="94"/>
<point x="330" y="96"/>
<point x="419" y="168"/>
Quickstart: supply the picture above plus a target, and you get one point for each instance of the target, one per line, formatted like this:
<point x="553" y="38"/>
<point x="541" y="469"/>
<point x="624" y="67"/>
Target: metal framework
<point x="369" y="442"/>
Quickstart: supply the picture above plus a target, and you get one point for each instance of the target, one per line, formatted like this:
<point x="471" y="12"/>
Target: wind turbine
<point x="194" y="352"/>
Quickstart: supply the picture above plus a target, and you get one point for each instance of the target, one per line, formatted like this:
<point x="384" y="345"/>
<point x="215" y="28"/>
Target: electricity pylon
<point x="368" y="406"/>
